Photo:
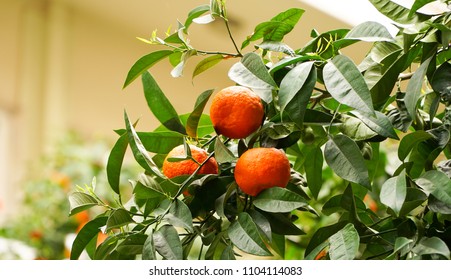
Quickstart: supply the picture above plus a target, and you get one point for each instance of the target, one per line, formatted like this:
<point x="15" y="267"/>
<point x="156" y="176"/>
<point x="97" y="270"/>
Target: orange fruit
<point x="236" y="112"/>
<point x="258" y="169"/>
<point x="187" y="167"/>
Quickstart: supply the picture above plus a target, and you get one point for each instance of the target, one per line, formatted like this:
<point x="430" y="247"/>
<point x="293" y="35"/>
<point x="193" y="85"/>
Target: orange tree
<point x="347" y="195"/>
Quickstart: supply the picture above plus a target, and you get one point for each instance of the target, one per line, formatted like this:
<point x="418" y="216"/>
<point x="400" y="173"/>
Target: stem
<point x="221" y="53"/>
<point x="231" y="37"/>
<point x="379" y="233"/>
<point x="406" y="76"/>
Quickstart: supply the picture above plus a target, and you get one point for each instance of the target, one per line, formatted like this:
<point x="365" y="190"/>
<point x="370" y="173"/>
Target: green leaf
<point x="441" y="81"/>
<point x="400" y="244"/>
<point x="276" y="28"/>
<point x="282" y="224"/>
<point x="276" y="46"/>
<point x="418" y="4"/>
<point x="80" y="201"/>
<point x="179" y="215"/>
<point x="143" y="64"/>
<point x="276" y="200"/>
<point x="379" y="123"/>
<point x="355" y="128"/>
<point x="245" y="235"/>
<point x="195" y="13"/>
<point x="160" y="105"/>
<point x="106" y="250"/>
<point x="222" y="153"/>
<point x="322" y="235"/>
<point x="437" y="184"/>
<point x="262" y="223"/>
<point x="344" y="157"/>
<point x="432" y="245"/>
<point x="251" y="72"/>
<point x="344" y="245"/>
<point x="118" y="218"/>
<point x="393" y="192"/>
<point x="85" y="235"/>
<point x="160" y="142"/>
<point x="139" y="151"/>
<point x="178" y="69"/>
<point x="410" y="141"/>
<point x="194" y="117"/>
<point x="114" y="164"/>
<point x="295" y="91"/>
<point x="167" y="243"/>
<point x="132" y="244"/>
<point x="414" y="87"/>
<point x="369" y="31"/>
<point x="314" y="170"/>
<point x="346" y="84"/>
<point x="397" y="12"/>
<point x="206" y="64"/>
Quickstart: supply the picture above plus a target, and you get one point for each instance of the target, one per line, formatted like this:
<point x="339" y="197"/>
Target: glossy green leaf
<point x="106" y="250"/>
<point x="80" y="201"/>
<point x="195" y="13"/>
<point x="194" y="117"/>
<point x="347" y="85"/>
<point x="378" y="123"/>
<point x="251" y="72"/>
<point x="167" y="243"/>
<point x="85" y="235"/>
<point x="276" y="46"/>
<point x="114" y="164"/>
<point x="344" y="157"/>
<point x="410" y="141"/>
<point x="132" y="244"/>
<point x="222" y="153"/>
<point x="160" y="141"/>
<point x="344" y="245"/>
<point x="393" y="192"/>
<point x="441" y="81"/>
<point x="179" y="215"/>
<point x="277" y="200"/>
<point x="413" y="91"/>
<point x="139" y="151"/>
<point x="314" y="170"/>
<point x="144" y="63"/>
<point x="397" y="12"/>
<point x="432" y="245"/>
<point x="118" y="218"/>
<point x="355" y="128"/>
<point x="295" y="91"/>
<point x="436" y="183"/>
<point x="381" y="78"/>
<point x="369" y="31"/>
<point x="262" y="223"/>
<point x="418" y="4"/>
<point x="322" y="235"/>
<point x="276" y="28"/>
<point x="206" y="64"/>
<point x="159" y="104"/>
<point x="400" y="244"/>
<point x="245" y="235"/>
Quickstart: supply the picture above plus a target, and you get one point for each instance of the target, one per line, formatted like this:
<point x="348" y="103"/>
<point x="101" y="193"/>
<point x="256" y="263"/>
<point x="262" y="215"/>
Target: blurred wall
<point x="63" y="64"/>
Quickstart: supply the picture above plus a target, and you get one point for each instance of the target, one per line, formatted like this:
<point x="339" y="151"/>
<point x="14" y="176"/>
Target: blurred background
<point x="62" y="67"/>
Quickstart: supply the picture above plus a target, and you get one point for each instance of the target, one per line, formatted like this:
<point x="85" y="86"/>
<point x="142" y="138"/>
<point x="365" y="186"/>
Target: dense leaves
<point x="367" y="141"/>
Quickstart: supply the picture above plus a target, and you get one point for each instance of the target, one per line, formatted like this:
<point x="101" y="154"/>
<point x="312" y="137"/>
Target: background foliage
<point x="368" y="143"/>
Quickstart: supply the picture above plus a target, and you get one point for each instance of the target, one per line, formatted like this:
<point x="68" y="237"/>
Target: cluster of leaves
<point x="330" y="115"/>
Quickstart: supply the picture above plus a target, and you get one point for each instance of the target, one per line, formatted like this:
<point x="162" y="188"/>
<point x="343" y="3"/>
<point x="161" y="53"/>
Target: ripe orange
<point x="236" y="112"/>
<point x="262" y="168"/>
<point x="187" y="167"/>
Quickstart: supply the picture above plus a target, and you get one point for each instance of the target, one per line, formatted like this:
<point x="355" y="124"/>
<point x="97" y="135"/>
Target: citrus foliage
<point x="332" y="116"/>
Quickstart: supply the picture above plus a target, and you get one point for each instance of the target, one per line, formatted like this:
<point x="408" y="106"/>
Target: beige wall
<point x="63" y="63"/>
